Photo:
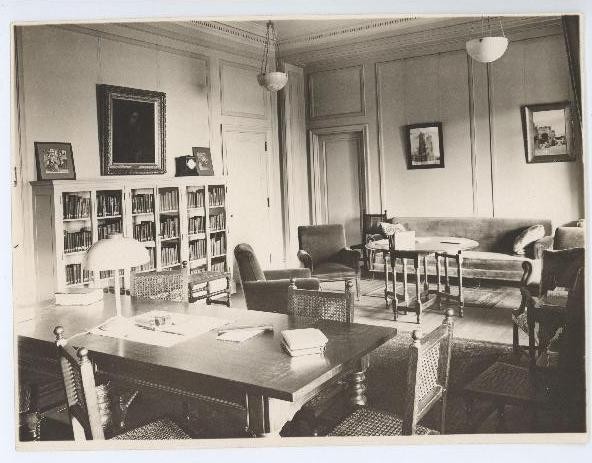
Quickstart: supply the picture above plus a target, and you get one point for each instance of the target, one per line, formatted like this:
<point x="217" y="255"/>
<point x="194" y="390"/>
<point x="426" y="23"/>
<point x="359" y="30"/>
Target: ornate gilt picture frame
<point x="132" y="130"/>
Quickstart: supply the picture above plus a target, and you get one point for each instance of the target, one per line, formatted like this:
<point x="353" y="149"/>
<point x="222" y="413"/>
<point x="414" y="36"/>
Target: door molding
<point x="318" y="211"/>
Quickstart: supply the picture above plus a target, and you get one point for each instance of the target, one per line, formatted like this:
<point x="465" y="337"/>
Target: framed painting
<point x="425" y="146"/>
<point x="203" y="157"/>
<point x="54" y="161"/>
<point x="132" y="130"/>
<point x="548" y="132"/>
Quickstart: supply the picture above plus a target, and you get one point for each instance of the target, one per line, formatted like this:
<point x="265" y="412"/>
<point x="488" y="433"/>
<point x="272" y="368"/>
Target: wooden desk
<point x="438" y="246"/>
<point x="274" y="384"/>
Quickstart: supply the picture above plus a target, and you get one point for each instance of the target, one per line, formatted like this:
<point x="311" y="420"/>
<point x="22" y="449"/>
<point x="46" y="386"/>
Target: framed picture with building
<point x="548" y="132"/>
<point x="425" y="146"/>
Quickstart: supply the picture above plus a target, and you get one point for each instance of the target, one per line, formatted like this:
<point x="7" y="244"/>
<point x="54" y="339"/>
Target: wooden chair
<point x="370" y="231"/>
<point x="170" y="285"/>
<point x="559" y="269"/>
<point x="83" y="403"/>
<point x="326" y="305"/>
<point x="427" y="383"/>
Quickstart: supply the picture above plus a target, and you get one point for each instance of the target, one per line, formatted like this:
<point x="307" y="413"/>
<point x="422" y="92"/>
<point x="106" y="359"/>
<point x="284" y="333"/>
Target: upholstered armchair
<point x="268" y="290"/>
<point x="323" y="251"/>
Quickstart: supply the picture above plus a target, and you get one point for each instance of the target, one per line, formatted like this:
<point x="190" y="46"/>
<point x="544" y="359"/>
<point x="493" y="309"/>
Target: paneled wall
<point x="59" y="68"/>
<point x="485" y="169"/>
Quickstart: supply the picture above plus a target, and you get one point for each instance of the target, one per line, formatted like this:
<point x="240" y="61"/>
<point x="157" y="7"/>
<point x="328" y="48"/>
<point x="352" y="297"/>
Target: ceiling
<point x="288" y="29"/>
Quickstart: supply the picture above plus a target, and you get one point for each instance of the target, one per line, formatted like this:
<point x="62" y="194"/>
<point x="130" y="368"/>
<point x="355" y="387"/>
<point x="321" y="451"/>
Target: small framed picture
<point x="425" y="146"/>
<point x="548" y="132"/>
<point x="54" y="161"/>
<point x="203" y="157"/>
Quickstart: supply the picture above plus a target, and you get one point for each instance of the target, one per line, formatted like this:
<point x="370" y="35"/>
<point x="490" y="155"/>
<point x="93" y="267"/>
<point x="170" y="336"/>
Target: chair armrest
<point x="305" y="258"/>
<point x="359" y="247"/>
<point x="286" y="273"/>
<point x="540" y="245"/>
<point x="272" y="296"/>
<point x="349" y="257"/>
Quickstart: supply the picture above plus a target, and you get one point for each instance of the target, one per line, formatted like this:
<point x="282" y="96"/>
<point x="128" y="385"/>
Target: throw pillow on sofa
<point x="528" y="236"/>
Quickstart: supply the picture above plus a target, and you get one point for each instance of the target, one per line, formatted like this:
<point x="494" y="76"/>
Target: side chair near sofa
<point x="370" y="231"/>
<point x="323" y="251"/>
<point x="559" y="269"/>
<point x="83" y="403"/>
<point x="268" y="290"/>
<point x="427" y="383"/>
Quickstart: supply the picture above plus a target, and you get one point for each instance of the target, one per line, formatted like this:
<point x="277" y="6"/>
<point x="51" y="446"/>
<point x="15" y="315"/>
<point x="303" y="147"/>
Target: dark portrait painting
<point x="131" y="130"/>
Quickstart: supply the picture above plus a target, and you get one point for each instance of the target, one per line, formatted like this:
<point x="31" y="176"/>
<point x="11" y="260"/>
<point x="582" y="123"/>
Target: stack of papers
<point x="304" y="341"/>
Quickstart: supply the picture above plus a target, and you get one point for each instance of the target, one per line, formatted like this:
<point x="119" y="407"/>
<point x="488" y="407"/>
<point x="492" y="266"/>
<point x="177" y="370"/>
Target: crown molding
<point x="436" y="37"/>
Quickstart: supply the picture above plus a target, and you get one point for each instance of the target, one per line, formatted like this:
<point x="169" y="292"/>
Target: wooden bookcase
<point x="178" y="219"/>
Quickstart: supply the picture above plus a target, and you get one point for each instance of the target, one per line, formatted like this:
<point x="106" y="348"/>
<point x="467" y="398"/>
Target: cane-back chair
<point x="169" y="285"/>
<point x="427" y="383"/>
<point x="326" y="305"/>
<point x="83" y="403"/>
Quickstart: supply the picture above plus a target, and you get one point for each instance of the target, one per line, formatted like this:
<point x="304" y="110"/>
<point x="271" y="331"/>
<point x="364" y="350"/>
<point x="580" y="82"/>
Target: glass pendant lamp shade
<point x="271" y="80"/>
<point x="487" y="49"/>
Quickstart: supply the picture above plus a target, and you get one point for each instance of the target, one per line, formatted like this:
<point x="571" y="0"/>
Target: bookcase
<point x="177" y="219"/>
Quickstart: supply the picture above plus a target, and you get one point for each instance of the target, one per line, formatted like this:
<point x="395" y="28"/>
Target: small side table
<point x="201" y="278"/>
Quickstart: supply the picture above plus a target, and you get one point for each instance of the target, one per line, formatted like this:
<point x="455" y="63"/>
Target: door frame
<point x="318" y="210"/>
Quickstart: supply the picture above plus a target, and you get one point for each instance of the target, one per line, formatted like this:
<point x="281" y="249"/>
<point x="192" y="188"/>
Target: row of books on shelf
<point x="77" y="241"/>
<point x="195" y="198"/>
<point x="218" y="266"/>
<point x="75" y="274"/>
<point x="144" y="231"/>
<point x="106" y="229"/>
<point x="217" y="222"/>
<point x="169" y="227"/>
<point x="197" y="224"/>
<point x="76" y="206"/>
<point x="197" y="249"/>
<point x="142" y="203"/>
<point x="108" y="204"/>
<point x="169" y="200"/>
<point x="218" y="244"/>
<point x="169" y="255"/>
<point x="216" y="196"/>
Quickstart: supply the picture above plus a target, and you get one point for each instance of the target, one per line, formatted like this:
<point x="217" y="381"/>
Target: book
<point x="301" y="352"/>
<point x="304" y="338"/>
<point x="79" y="296"/>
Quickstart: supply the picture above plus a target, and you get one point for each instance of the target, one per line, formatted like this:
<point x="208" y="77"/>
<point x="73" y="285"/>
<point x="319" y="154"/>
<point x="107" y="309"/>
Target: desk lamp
<point x="115" y="253"/>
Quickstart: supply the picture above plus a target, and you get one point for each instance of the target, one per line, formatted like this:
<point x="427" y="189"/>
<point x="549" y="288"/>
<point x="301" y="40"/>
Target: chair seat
<point x="371" y="422"/>
<point x="333" y="271"/>
<point x="162" y="429"/>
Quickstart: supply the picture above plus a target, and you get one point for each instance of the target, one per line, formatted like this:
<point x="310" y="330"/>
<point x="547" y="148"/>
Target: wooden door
<point x="246" y="164"/>
<point x="340" y="181"/>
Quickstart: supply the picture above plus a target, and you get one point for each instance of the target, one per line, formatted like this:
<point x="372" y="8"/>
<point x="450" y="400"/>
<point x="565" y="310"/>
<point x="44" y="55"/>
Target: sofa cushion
<point x="527" y="236"/>
<point x="497" y="260"/>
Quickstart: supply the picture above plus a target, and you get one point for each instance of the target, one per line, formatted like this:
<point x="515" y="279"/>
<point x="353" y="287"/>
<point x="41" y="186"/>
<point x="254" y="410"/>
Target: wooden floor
<point x="487" y="314"/>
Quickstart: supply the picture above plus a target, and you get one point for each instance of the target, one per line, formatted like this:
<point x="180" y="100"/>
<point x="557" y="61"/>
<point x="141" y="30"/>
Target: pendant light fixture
<point x="274" y="80"/>
<point x="488" y="47"/>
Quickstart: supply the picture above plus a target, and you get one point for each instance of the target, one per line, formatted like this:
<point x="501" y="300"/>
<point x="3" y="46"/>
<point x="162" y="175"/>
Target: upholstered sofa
<point x="494" y="257"/>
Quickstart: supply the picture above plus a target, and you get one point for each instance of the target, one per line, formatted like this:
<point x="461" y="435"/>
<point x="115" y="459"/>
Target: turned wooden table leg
<point x="386" y="280"/>
<point x="405" y="285"/>
<point x="395" y="299"/>
<point x="417" y="288"/>
<point x="426" y="285"/>
<point x="446" y="276"/>
<point x="461" y="298"/>
<point x="357" y="390"/>
<point x="438" y="273"/>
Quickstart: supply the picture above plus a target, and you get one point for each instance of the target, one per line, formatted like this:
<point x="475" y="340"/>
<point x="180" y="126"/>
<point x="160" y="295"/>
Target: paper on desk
<point x="181" y="328"/>
<point x="238" y="335"/>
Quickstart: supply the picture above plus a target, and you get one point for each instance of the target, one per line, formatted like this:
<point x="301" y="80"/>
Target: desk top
<point x="258" y="364"/>
<point x="449" y="244"/>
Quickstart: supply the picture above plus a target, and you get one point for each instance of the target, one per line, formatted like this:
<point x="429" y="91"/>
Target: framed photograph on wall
<point x="203" y="157"/>
<point x="425" y="146"/>
<point x="548" y="132"/>
<point x="132" y="128"/>
<point x="54" y="161"/>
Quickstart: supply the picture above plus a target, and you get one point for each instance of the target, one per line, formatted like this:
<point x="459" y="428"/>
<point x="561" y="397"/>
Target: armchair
<point x="323" y="251"/>
<point x="268" y="290"/>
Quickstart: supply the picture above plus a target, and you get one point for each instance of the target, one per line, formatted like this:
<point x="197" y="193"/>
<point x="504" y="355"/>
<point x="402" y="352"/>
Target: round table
<point x="445" y="247"/>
